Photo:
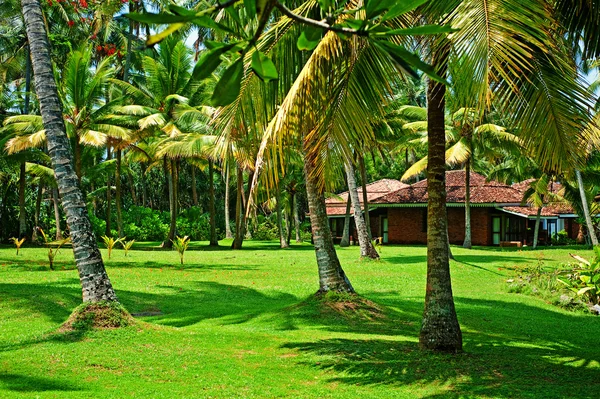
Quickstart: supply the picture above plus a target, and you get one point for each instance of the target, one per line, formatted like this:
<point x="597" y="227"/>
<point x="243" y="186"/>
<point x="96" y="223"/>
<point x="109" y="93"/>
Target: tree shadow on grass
<point x="513" y="350"/>
<point x="176" y="306"/>
<point x="187" y="266"/>
<point x="25" y="383"/>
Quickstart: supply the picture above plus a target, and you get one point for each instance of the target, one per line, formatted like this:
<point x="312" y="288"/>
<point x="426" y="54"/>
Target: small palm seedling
<point x="17" y="242"/>
<point x="52" y="252"/>
<point x="110" y="243"/>
<point x="181" y="244"/>
<point x="127" y="246"/>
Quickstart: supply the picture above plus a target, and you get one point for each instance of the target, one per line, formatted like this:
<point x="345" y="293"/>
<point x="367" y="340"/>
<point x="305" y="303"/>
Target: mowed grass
<point x="245" y="324"/>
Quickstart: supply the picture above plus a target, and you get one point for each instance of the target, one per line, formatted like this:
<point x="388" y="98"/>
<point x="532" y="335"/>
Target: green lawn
<point x="244" y="324"/>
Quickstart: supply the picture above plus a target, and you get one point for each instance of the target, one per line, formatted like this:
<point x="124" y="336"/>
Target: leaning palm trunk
<point x="586" y="210"/>
<point x="345" y="242"/>
<point x="366" y="246"/>
<point x="331" y="274"/>
<point x="211" y="206"/>
<point x="467" y="243"/>
<point x="440" y="330"/>
<point x="536" y="231"/>
<point x="95" y="284"/>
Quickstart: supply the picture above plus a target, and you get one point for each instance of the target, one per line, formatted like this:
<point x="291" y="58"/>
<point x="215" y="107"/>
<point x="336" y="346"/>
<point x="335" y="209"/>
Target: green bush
<point x="562" y="238"/>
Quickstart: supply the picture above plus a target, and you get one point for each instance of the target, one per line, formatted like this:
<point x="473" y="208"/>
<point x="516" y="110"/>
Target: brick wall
<point x="406" y="226"/>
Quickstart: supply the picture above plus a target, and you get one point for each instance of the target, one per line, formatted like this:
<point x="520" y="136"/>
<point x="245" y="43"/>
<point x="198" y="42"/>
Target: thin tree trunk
<point x="22" y="218"/>
<point x="36" y="215"/>
<point x="107" y="230"/>
<point x="144" y="187"/>
<point x="227" y="221"/>
<point x="172" y="182"/>
<point x="366" y="246"/>
<point x="363" y="178"/>
<point x="22" y="176"/>
<point x="297" y="221"/>
<point x="96" y="285"/>
<point x="467" y="242"/>
<point x="586" y="210"/>
<point x="536" y="231"/>
<point x="55" y="199"/>
<point x="331" y="274"/>
<point x="440" y="330"/>
<point x="240" y="221"/>
<point x="130" y="181"/>
<point x="118" y="194"/>
<point x="345" y="242"/>
<point x="194" y="190"/>
<point x="211" y="204"/>
<point x="289" y="221"/>
<point x="282" y="239"/>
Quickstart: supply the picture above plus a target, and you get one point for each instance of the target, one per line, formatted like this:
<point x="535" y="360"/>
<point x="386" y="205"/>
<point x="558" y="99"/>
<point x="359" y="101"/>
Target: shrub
<point x="584" y="279"/>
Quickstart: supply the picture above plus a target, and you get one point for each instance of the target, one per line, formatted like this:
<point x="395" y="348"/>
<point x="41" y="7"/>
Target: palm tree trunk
<point x="240" y="222"/>
<point x="536" y="231"/>
<point x="227" y="225"/>
<point x="467" y="242"/>
<point x="144" y="187"/>
<point x="440" y="330"/>
<point x="586" y="209"/>
<point x="22" y="218"/>
<point x="297" y="221"/>
<point x="36" y="215"/>
<point x="363" y="178"/>
<point x="172" y="182"/>
<point x="118" y="202"/>
<point x="96" y="285"/>
<point x="107" y="230"/>
<point x="331" y="274"/>
<point x="211" y="205"/>
<point x="282" y="239"/>
<point x="131" y="183"/>
<point x="345" y="242"/>
<point x="194" y="190"/>
<point x="366" y="246"/>
<point x="55" y="199"/>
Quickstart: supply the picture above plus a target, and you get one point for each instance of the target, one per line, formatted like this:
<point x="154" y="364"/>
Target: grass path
<point x="244" y="324"/>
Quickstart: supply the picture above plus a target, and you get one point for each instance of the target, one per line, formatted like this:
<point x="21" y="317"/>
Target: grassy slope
<point x="243" y="325"/>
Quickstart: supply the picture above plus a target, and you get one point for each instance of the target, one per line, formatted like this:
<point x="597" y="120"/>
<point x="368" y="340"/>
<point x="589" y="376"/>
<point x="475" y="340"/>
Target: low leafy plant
<point x="127" y="246"/>
<point x="52" y="252"/>
<point x="110" y="243"/>
<point x="181" y="244"/>
<point x="17" y="242"/>
<point x="584" y="279"/>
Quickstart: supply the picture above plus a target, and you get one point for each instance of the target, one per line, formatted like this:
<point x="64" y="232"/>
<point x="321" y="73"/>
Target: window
<point x="384" y="229"/>
<point x="496" y="230"/>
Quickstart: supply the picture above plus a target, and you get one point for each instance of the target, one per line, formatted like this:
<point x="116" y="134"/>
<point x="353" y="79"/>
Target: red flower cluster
<point x="107" y="50"/>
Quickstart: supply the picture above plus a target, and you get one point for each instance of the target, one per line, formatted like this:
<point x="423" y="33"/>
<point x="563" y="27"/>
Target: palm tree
<point x="167" y="83"/>
<point x="96" y="285"/>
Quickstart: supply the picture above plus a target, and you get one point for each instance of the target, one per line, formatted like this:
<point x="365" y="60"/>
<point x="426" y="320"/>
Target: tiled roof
<point x="482" y="191"/>
<point x="337" y="205"/>
<point x="551" y="210"/>
<point x="553" y="187"/>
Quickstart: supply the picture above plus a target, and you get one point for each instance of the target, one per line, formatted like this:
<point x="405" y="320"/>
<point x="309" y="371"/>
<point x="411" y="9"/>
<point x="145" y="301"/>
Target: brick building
<point x="398" y="212"/>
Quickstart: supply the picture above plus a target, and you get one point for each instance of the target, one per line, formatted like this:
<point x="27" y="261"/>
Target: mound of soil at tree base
<point x="99" y="315"/>
<point x="350" y="305"/>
